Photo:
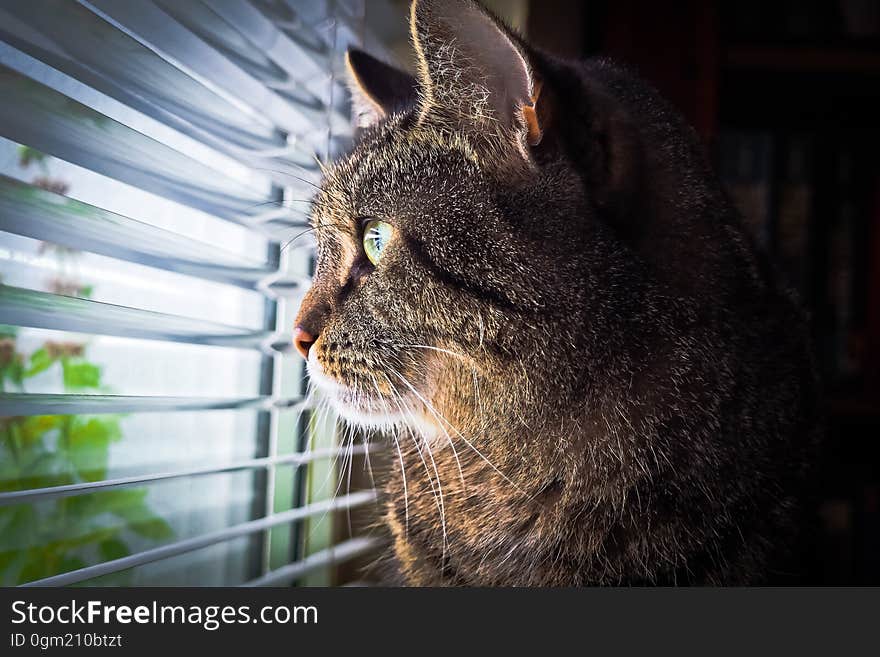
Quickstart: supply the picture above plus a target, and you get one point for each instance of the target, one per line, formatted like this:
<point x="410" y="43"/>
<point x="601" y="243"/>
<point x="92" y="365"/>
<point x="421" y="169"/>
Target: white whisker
<point x="427" y="445"/>
<point x="434" y="412"/>
<point x="416" y="440"/>
<point x="445" y="351"/>
<point x="476" y="451"/>
<point x="400" y="459"/>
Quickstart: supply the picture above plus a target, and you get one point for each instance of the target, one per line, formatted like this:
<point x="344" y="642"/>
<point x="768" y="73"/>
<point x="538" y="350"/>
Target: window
<point x="156" y="161"/>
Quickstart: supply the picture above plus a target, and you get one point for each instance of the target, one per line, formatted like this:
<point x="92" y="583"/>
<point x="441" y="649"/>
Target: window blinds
<point x="159" y="158"/>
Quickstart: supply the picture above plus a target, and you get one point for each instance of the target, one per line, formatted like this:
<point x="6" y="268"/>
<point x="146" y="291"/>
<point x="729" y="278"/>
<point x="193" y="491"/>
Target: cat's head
<point x="456" y="242"/>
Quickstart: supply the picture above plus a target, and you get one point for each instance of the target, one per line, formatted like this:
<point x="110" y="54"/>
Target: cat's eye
<point x="376" y="236"/>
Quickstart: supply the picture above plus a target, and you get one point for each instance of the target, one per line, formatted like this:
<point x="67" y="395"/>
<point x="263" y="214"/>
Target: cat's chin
<point x="367" y="418"/>
<point x="364" y="410"/>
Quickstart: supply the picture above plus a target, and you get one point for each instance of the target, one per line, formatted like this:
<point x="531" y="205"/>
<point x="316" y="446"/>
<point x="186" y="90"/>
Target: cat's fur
<point x="619" y="391"/>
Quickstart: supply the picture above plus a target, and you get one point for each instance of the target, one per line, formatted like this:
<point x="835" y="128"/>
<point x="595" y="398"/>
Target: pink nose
<point x="303" y="340"/>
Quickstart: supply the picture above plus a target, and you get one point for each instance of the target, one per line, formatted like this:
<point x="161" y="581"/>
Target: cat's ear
<point x="472" y="68"/>
<point x="377" y="89"/>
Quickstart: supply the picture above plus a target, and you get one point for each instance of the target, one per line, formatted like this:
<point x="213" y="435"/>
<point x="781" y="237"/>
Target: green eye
<point x="376" y="236"/>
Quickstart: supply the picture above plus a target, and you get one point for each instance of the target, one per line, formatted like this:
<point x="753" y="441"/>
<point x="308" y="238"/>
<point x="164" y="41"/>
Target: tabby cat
<point x="530" y="278"/>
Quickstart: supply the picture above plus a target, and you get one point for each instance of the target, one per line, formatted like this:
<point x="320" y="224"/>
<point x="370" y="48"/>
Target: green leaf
<point x="112" y="549"/>
<point x="80" y="374"/>
<point x="129" y="504"/>
<point x="76" y="540"/>
<point x="16" y="526"/>
<point x="95" y="431"/>
<point x="71" y="563"/>
<point x="9" y="470"/>
<point x="86" y="291"/>
<point x="10" y="564"/>
<point x="120" y="502"/>
<point x="40" y="469"/>
<point x="40" y="361"/>
<point x="35" y="428"/>
<point x="27" y="155"/>
<point x="36" y="567"/>
<point x="14" y="371"/>
<point x="156" y="529"/>
<point x="90" y="446"/>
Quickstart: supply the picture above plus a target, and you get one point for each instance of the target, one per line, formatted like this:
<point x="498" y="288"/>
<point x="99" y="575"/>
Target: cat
<point x="530" y="277"/>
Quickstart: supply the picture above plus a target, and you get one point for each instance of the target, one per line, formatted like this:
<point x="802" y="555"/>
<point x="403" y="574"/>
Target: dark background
<point x="786" y="96"/>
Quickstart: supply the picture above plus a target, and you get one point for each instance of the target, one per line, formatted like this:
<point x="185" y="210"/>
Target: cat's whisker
<point x="445" y="351"/>
<point x="348" y="482"/>
<point x="282" y="202"/>
<point x="479" y="399"/>
<point x="405" y="491"/>
<point x="476" y="451"/>
<point x="299" y="178"/>
<point x="427" y="445"/>
<point x="445" y="541"/>
<point x="399" y="456"/>
<point x="347" y="453"/>
<point x="290" y="242"/>
<point x="310" y="400"/>
<point x="367" y="465"/>
<point x="321" y="416"/>
<point x="305" y="406"/>
<point x="416" y="440"/>
<point x="312" y="228"/>
<point x="335" y="463"/>
<point x="321" y="165"/>
<point x="519" y="418"/>
<point x="433" y="411"/>
<point x="473" y="372"/>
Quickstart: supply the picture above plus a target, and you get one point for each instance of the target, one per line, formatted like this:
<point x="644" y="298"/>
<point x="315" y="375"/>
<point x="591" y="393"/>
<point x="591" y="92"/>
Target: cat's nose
<point x="311" y="318"/>
<point x="303" y="340"/>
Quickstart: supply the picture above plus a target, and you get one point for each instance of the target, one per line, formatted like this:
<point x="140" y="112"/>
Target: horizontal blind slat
<point x="21" y="307"/>
<point x="297" y="113"/>
<point x="37" y="116"/>
<point x="333" y="555"/>
<point x="130" y="72"/>
<point x="245" y="35"/>
<point x="261" y="37"/>
<point x="124" y="67"/>
<point x="68" y="490"/>
<point x="27" y="404"/>
<point x="349" y="501"/>
<point x="37" y="213"/>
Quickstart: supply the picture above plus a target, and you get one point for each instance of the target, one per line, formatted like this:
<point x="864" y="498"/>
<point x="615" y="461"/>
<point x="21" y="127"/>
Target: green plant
<point x="49" y="537"/>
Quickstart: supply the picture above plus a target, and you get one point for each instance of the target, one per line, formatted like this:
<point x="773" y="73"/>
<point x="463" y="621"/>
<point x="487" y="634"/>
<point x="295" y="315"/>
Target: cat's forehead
<point x="394" y="162"/>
